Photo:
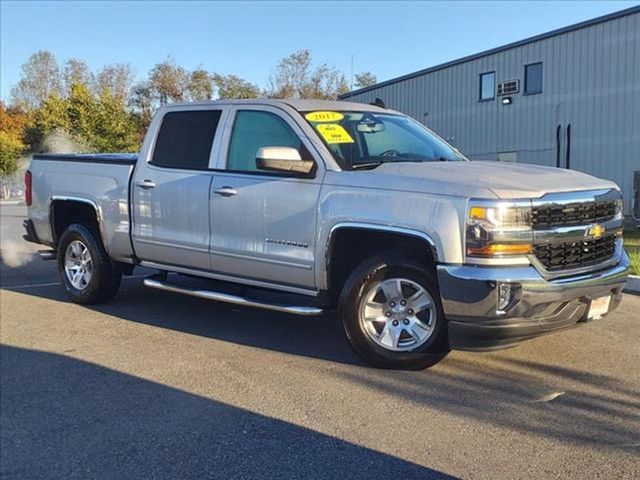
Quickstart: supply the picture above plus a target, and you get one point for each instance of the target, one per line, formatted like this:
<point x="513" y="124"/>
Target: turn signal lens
<point x="477" y="213"/>
<point x="501" y="249"/>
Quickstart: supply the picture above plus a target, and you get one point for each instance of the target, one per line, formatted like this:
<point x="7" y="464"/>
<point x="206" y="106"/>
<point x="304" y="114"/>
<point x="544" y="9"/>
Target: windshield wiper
<point x="370" y="165"/>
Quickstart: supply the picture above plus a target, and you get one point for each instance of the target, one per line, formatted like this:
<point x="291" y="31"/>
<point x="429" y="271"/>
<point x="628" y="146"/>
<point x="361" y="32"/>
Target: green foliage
<point x="10" y="150"/>
<point x="81" y="109"/>
<point x="632" y="246"/>
<point x="169" y="81"/>
<point x="94" y="123"/>
<point x="75" y="109"/>
<point x="115" y="128"/>
<point x="51" y="116"/>
<point x="200" y="86"/>
<point x="232" y="86"/>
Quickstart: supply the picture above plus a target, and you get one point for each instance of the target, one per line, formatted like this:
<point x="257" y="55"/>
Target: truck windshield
<point x="364" y="140"/>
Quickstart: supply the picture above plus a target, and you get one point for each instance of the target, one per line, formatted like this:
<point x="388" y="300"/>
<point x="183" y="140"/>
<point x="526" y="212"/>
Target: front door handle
<point x="226" y="191"/>
<point x="146" y="184"/>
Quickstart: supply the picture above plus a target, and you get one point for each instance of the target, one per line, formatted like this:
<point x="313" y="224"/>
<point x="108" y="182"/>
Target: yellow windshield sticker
<point x="334" y="133"/>
<point x="324" y="116"/>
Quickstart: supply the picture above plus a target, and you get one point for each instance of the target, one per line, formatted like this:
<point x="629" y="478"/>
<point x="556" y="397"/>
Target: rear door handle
<point x="226" y="191"/>
<point x="146" y="184"/>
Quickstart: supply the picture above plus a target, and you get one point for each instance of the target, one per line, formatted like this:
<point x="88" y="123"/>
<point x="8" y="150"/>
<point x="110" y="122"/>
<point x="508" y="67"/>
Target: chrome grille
<point x="554" y="215"/>
<point x="568" y="255"/>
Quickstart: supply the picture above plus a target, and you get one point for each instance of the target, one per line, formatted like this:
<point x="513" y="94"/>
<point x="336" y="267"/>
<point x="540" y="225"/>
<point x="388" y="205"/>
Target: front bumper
<point x="538" y="306"/>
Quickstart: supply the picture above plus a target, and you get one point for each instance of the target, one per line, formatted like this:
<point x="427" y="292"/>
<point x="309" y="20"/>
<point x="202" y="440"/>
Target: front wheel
<point x="85" y="269"/>
<point x="391" y="313"/>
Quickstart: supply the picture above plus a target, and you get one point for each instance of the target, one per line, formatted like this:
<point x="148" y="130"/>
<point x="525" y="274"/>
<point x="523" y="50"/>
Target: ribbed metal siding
<point x="591" y="80"/>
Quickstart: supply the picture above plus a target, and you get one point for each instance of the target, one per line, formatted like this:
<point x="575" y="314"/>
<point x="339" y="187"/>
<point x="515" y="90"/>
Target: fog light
<point x="505" y="296"/>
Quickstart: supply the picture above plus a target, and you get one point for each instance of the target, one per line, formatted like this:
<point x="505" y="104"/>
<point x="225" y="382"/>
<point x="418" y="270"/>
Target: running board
<point x="228" y="298"/>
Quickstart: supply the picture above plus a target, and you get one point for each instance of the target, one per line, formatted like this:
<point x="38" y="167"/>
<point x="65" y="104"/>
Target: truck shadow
<point x="496" y="388"/>
<point x="77" y="419"/>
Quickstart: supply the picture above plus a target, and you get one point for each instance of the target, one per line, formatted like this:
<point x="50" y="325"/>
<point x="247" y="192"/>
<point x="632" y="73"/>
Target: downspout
<point x="567" y="161"/>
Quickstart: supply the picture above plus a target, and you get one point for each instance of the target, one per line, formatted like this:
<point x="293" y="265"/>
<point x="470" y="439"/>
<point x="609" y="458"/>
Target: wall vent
<point x="508" y="87"/>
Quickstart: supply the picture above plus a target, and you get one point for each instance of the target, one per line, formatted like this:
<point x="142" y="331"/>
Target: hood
<point x="479" y="179"/>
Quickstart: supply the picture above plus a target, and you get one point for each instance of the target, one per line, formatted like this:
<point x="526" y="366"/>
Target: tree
<point x="295" y="77"/>
<point x="51" y="116"/>
<point x="77" y="72"/>
<point x="40" y="79"/>
<point x="365" y="79"/>
<point x="325" y="83"/>
<point x="168" y="81"/>
<point x="12" y="125"/>
<point x="200" y="85"/>
<point x="143" y="102"/>
<point x="114" y="129"/>
<point x="117" y="79"/>
<point x="81" y="109"/>
<point x="232" y="86"/>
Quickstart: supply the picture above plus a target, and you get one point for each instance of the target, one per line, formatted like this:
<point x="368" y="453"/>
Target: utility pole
<point x="351" y="86"/>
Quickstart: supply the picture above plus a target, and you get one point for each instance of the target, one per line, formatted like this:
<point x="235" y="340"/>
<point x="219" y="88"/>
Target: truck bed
<point x="117" y="158"/>
<point x="100" y="180"/>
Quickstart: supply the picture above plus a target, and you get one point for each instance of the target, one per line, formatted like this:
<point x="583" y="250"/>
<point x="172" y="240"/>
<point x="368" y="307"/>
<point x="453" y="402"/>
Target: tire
<point x="415" y="338"/>
<point x="80" y="250"/>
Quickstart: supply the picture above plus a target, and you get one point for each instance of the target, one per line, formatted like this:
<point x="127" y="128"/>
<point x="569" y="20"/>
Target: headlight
<point x="496" y="229"/>
<point x="619" y="208"/>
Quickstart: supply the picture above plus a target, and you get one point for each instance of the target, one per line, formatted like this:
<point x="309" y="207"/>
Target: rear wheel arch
<point x="65" y="211"/>
<point x="349" y="244"/>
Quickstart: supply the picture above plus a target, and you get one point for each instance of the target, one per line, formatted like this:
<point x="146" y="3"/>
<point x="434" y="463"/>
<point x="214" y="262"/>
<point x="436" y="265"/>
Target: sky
<point x="248" y="38"/>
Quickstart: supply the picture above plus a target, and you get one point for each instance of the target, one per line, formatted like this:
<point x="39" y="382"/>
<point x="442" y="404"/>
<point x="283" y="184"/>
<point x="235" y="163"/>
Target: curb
<point x="633" y="284"/>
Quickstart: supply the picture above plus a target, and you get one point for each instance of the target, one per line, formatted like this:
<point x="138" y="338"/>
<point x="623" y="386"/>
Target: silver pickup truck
<point x="309" y="206"/>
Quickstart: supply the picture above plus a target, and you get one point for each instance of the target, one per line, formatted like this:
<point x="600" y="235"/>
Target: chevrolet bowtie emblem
<point x="596" y="231"/>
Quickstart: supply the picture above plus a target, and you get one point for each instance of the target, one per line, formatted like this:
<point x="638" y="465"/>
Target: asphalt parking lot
<point x="165" y="386"/>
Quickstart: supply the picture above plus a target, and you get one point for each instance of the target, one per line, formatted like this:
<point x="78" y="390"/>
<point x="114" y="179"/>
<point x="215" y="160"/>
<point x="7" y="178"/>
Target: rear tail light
<point x="27" y="188"/>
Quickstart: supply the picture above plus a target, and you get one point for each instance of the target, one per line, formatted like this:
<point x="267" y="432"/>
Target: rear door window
<point x="185" y="139"/>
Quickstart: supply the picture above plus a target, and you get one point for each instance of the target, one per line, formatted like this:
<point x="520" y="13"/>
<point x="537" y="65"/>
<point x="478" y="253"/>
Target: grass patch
<point x="632" y="246"/>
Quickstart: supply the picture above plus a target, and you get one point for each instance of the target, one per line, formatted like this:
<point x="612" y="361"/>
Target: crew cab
<point x="309" y="207"/>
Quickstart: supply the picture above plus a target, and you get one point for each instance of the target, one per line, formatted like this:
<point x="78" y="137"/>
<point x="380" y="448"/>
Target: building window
<point x="533" y="78"/>
<point x="487" y="86"/>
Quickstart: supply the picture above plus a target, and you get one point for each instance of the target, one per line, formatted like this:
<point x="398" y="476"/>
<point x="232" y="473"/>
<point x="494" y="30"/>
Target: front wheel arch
<point x="349" y="244"/>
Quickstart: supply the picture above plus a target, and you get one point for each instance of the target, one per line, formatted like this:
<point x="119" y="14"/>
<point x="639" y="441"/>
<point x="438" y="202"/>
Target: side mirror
<point x="282" y="159"/>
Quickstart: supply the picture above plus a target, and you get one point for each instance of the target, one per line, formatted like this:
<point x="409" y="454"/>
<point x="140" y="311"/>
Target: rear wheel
<point x="391" y="313"/>
<point x="86" y="271"/>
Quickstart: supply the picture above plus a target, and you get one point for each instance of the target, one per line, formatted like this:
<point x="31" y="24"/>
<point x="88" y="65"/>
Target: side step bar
<point x="228" y="298"/>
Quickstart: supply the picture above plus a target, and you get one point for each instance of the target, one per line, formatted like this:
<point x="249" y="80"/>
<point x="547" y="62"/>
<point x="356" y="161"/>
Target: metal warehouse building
<point x="568" y="98"/>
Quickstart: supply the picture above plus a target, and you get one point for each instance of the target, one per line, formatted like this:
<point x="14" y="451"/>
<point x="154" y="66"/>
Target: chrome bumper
<point x="538" y="306"/>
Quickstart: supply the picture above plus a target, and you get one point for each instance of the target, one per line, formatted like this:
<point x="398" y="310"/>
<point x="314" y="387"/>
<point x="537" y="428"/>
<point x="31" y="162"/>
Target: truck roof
<point x="298" y="104"/>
